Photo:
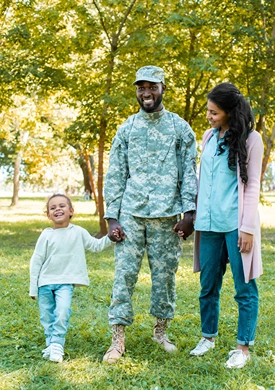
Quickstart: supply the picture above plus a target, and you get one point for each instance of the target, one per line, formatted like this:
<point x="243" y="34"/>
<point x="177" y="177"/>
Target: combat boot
<point x="160" y="335"/>
<point x="117" y="348"/>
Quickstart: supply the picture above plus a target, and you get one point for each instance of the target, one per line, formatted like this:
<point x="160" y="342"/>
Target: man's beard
<point x="153" y="108"/>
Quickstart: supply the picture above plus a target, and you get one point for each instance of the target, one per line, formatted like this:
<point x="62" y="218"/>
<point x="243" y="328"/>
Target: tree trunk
<point x="90" y="173"/>
<point x="188" y="95"/>
<point x="269" y="145"/>
<point x="102" y="222"/>
<point x="16" y="182"/>
<point x="103" y="129"/>
<point x="113" y="41"/>
<point x="267" y="139"/>
<point x="16" y="176"/>
<point x="86" y="179"/>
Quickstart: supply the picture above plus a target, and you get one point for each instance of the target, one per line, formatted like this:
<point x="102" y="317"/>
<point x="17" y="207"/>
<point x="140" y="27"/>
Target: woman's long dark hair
<point x="241" y="121"/>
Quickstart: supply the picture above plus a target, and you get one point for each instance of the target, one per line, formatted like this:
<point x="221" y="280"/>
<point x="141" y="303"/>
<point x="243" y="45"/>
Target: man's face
<point x="149" y="95"/>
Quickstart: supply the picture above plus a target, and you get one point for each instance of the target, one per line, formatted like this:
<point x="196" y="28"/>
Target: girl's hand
<point x="181" y="234"/>
<point x="116" y="233"/>
<point x="245" y="242"/>
<point x="185" y="226"/>
<point x="115" y="230"/>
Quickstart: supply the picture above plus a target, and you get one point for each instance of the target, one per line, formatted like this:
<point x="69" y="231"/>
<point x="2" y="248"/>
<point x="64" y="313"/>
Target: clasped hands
<point x="115" y="231"/>
<point x="185" y="226"/>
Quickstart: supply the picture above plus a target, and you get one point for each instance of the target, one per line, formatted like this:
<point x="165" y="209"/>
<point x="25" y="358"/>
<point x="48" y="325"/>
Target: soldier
<point x="151" y="182"/>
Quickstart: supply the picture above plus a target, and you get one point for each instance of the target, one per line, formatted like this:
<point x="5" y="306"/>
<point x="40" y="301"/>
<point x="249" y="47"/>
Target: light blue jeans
<point x="215" y="248"/>
<point x="55" y="309"/>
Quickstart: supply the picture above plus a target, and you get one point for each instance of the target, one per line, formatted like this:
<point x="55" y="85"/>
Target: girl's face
<point x="216" y="116"/>
<point x="59" y="211"/>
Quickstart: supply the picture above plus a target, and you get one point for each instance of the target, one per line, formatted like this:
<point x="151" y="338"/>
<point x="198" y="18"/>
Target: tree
<point x="251" y="62"/>
<point x="117" y="27"/>
<point x="29" y="146"/>
<point x="23" y="76"/>
<point x="84" y="55"/>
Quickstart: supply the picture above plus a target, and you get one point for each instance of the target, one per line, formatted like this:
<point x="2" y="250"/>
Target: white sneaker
<point x="203" y="346"/>
<point x="46" y="352"/>
<point x="237" y="359"/>
<point x="56" y="353"/>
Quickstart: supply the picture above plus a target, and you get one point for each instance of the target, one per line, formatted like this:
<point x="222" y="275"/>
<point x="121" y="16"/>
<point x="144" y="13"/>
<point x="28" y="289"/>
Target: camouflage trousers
<point x="163" y="248"/>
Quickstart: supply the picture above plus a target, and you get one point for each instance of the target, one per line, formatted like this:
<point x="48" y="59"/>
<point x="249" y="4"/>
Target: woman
<point x="227" y="221"/>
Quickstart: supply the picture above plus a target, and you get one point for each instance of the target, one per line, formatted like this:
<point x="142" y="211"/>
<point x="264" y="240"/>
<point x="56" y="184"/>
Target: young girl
<point x="57" y="265"/>
<point x="227" y="222"/>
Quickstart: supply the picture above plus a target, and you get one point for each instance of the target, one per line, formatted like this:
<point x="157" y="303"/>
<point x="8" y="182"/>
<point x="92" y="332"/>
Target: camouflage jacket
<point x="142" y="179"/>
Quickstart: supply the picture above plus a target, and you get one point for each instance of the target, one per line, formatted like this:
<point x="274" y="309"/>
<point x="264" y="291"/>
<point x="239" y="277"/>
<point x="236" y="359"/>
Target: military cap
<point x="150" y="73"/>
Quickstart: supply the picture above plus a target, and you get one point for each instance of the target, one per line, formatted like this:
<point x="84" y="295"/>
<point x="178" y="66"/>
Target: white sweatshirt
<point x="59" y="257"/>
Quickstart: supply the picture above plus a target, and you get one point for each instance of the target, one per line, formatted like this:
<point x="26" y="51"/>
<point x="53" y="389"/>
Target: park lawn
<point x="145" y="365"/>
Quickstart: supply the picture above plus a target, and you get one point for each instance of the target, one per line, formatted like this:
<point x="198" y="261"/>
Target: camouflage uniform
<point x="142" y="192"/>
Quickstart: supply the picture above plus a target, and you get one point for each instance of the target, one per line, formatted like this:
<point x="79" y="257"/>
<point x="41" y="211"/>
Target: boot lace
<point x="160" y="328"/>
<point x="118" y="338"/>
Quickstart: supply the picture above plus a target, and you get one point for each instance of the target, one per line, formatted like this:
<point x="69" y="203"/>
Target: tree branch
<point x="129" y="9"/>
<point x="102" y="21"/>
<point x="129" y="35"/>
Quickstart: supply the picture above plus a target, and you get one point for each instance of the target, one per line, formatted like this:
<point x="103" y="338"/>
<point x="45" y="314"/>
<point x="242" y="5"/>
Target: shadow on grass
<point x="145" y="365"/>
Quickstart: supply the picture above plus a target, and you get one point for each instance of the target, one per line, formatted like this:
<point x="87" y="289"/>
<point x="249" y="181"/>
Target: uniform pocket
<point x="137" y="151"/>
<point x="167" y="144"/>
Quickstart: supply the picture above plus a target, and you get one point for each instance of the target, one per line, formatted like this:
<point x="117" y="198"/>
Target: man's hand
<point x="115" y="231"/>
<point x="185" y="226"/>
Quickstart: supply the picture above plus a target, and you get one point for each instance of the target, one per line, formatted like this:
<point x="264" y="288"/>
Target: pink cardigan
<point x="248" y="214"/>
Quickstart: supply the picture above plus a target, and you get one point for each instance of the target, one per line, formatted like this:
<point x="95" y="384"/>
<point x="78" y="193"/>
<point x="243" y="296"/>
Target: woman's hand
<point x="245" y="242"/>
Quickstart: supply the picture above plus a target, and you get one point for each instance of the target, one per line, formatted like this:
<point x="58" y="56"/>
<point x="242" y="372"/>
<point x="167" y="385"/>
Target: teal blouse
<point x="217" y="207"/>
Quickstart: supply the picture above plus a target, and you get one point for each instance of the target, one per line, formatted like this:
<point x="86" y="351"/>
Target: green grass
<point x="145" y="365"/>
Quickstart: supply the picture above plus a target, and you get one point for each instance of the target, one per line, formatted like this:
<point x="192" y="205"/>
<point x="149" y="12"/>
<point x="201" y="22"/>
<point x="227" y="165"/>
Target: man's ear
<point x="163" y="88"/>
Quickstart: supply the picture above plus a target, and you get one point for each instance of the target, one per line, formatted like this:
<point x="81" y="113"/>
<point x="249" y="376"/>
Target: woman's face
<point x="216" y="116"/>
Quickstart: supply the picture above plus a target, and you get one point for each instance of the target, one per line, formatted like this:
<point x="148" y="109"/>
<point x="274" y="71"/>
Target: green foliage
<point x="269" y="179"/>
<point x="145" y="365"/>
<point x="80" y="47"/>
<point x="84" y="54"/>
<point x="29" y="127"/>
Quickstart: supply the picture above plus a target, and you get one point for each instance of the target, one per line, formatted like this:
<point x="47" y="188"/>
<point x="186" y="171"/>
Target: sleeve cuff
<point x="246" y="229"/>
